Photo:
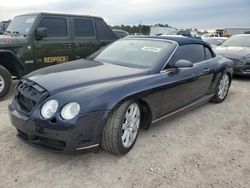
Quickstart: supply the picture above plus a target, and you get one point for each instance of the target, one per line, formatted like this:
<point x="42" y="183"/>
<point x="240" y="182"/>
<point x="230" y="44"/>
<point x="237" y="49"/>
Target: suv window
<point x="104" y="32"/>
<point x="208" y="53"/>
<point x="57" y="27"/>
<point x="191" y="52"/>
<point x="83" y="28"/>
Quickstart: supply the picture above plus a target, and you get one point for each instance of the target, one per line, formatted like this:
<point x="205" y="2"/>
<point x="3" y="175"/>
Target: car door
<point x="186" y="85"/>
<point x="84" y="36"/>
<point x="56" y="47"/>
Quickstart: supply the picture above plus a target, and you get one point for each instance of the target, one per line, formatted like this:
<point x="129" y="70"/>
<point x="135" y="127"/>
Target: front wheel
<point x="120" y="132"/>
<point x="222" y="89"/>
<point x="5" y="82"/>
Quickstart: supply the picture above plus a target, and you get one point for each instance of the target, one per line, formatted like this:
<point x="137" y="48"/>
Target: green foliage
<point x="143" y="29"/>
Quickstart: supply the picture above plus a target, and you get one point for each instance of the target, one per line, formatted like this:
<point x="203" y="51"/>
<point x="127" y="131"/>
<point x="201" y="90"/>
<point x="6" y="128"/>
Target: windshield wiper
<point x="7" y="32"/>
<point x="16" y="33"/>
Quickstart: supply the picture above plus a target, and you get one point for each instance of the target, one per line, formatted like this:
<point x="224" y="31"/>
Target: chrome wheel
<point x="130" y="125"/>
<point x="2" y="83"/>
<point x="223" y="87"/>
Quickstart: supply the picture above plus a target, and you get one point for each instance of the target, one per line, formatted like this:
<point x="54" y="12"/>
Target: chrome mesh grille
<point x="28" y="94"/>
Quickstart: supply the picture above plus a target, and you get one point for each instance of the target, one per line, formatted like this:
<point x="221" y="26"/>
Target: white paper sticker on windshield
<point x="30" y="20"/>
<point x="151" y="49"/>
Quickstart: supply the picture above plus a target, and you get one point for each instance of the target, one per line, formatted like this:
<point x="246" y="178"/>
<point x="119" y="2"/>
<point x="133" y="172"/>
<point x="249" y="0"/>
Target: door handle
<point x="67" y="45"/>
<point x="206" y="70"/>
<point x="70" y="45"/>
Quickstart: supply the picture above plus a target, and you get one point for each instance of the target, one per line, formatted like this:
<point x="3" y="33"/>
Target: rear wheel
<point x="120" y="133"/>
<point x="222" y="89"/>
<point x="5" y="81"/>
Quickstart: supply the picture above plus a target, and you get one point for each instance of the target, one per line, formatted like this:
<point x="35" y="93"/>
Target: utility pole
<point x="140" y="26"/>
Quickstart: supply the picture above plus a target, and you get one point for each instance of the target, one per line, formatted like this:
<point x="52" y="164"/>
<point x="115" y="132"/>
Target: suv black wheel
<point x="5" y="81"/>
<point x="120" y="133"/>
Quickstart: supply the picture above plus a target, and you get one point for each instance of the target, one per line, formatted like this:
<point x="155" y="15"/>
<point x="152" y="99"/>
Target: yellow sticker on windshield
<point x="151" y="49"/>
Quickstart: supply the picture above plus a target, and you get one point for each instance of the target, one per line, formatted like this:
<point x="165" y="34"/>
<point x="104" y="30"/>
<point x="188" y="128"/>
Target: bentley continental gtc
<point x="104" y="100"/>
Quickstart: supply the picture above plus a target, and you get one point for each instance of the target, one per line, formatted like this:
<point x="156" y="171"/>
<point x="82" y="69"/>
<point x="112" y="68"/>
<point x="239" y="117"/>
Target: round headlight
<point x="70" y="110"/>
<point x="49" y="109"/>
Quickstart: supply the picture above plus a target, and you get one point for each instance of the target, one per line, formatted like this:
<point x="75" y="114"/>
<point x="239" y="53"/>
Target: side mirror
<point x="183" y="64"/>
<point x="41" y="32"/>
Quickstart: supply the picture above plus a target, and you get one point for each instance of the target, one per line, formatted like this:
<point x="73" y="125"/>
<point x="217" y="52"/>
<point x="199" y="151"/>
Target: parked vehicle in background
<point x="126" y="86"/>
<point x="233" y="31"/>
<point x="138" y="34"/>
<point x="33" y="41"/>
<point x="188" y="33"/>
<point x="120" y="33"/>
<point x="210" y="35"/>
<point x="157" y="31"/>
<point x="237" y="48"/>
<point x="214" y="41"/>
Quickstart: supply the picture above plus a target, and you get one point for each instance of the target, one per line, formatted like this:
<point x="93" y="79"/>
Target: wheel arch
<point x="145" y="110"/>
<point x="146" y="114"/>
<point x="10" y="62"/>
<point x="229" y="72"/>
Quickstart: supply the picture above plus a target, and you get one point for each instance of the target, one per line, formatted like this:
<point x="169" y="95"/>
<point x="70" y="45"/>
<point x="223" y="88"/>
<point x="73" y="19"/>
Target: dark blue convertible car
<point x="105" y="99"/>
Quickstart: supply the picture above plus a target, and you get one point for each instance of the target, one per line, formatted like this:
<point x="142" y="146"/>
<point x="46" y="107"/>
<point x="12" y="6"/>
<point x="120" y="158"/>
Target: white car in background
<point x="214" y="41"/>
<point x="210" y="35"/>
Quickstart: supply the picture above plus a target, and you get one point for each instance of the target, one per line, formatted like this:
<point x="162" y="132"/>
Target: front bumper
<point x="58" y="135"/>
<point x="242" y="70"/>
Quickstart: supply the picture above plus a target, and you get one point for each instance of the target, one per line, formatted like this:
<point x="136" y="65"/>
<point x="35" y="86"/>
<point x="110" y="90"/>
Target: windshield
<point x="21" y="25"/>
<point x="134" y="52"/>
<point x="241" y="41"/>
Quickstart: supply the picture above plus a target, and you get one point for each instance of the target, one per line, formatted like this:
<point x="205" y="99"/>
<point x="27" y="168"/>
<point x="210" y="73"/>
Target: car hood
<point x="233" y="52"/>
<point x="9" y="40"/>
<point x="81" y="73"/>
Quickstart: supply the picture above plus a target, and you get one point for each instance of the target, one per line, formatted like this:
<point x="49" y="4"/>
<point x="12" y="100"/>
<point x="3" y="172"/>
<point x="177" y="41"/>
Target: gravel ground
<point x="206" y="147"/>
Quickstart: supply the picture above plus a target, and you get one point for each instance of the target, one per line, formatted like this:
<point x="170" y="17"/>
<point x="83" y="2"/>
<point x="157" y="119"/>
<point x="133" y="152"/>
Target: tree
<point x="143" y="29"/>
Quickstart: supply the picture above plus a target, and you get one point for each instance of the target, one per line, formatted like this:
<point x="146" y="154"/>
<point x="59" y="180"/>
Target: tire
<point x="118" y="128"/>
<point x="5" y="82"/>
<point x="219" y="97"/>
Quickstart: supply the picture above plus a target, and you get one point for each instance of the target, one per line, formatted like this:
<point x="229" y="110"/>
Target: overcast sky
<point x="179" y="13"/>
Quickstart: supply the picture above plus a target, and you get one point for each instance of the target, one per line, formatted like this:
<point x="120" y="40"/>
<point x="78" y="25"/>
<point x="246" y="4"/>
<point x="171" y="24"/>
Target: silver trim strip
<point x="162" y="69"/>
<point x="87" y="147"/>
<point x="184" y="108"/>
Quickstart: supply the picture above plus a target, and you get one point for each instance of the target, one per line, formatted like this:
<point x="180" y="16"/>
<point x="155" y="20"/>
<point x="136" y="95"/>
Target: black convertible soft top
<point x="181" y="40"/>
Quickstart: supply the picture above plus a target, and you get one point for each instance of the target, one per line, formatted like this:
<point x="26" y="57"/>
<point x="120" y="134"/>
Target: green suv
<point x="33" y="41"/>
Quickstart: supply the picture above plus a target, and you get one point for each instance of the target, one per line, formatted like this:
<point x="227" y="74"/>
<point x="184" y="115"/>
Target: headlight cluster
<point x="238" y="62"/>
<point x="49" y="109"/>
<point x="247" y="60"/>
<point x="68" y="112"/>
